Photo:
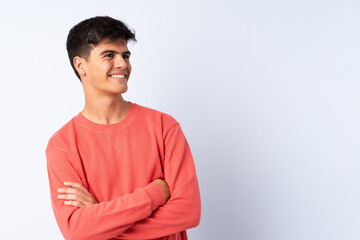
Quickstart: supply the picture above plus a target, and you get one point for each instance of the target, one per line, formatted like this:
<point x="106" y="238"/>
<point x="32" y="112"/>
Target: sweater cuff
<point x="156" y="194"/>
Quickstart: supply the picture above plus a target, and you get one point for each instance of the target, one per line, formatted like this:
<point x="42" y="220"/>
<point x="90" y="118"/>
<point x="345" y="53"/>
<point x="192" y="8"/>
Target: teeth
<point x="117" y="76"/>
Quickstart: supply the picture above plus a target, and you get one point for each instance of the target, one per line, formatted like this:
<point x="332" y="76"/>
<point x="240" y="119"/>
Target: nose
<point x="119" y="62"/>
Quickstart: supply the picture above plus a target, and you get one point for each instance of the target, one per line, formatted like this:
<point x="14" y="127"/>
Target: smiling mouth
<point x="118" y="76"/>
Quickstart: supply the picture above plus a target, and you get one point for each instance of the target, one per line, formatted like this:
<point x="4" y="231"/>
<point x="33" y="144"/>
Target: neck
<point x="105" y="109"/>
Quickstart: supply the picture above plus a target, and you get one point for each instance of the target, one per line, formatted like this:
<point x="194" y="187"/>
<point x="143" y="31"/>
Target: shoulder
<point x="56" y="141"/>
<point x="156" y="117"/>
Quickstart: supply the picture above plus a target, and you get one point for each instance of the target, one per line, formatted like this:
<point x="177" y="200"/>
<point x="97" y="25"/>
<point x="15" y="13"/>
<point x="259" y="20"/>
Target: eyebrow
<point x="112" y="51"/>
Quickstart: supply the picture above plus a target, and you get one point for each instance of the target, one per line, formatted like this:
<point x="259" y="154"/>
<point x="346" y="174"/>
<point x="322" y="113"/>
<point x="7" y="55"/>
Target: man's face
<point x="107" y="68"/>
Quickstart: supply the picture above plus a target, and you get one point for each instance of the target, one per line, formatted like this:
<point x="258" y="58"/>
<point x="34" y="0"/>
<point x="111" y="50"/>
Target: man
<point x="118" y="170"/>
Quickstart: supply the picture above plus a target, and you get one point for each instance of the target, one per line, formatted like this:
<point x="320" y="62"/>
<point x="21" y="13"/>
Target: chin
<point x="120" y="91"/>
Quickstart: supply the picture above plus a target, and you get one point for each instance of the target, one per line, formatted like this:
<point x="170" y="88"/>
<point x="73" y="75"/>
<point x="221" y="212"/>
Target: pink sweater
<point x="116" y="163"/>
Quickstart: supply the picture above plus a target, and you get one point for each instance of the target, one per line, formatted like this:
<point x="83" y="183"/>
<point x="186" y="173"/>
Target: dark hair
<point x="88" y="33"/>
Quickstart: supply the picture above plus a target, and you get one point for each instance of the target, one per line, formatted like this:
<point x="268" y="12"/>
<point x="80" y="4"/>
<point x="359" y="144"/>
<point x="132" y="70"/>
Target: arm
<point x="77" y="195"/>
<point x="104" y="220"/>
<point x="182" y="211"/>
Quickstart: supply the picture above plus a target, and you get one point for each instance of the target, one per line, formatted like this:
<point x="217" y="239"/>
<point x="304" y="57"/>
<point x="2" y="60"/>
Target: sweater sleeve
<point x="182" y="211"/>
<point x="104" y="220"/>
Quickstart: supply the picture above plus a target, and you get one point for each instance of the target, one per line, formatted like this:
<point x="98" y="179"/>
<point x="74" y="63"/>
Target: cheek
<point x="103" y="70"/>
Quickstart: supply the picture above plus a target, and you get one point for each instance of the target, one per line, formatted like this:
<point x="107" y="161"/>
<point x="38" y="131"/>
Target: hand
<point x="164" y="187"/>
<point x="77" y="194"/>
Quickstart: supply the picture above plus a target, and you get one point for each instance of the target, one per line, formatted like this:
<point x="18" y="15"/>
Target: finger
<point x="76" y="185"/>
<point x="75" y="197"/>
<point x="75" y="203"/>
<point x="70" y="190"/>
<point x="75" y="191"/>
<point x="86" y="200"/>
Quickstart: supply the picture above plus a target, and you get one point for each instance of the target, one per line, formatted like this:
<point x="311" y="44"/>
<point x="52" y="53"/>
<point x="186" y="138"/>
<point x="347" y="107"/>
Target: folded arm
<point x="103" y="220"/>
<point x="183" y="209"/>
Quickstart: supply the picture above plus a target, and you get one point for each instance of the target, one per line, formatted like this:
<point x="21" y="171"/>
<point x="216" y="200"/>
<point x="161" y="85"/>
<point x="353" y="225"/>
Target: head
<point x="87" y="34"/>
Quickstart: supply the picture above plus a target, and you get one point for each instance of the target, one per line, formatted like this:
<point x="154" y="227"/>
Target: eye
<point x="109" y="55"/>
<point x="126" y="57"/>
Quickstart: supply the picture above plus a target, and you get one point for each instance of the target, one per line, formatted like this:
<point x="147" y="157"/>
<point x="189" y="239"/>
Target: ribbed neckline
<point x="82" y="120"/>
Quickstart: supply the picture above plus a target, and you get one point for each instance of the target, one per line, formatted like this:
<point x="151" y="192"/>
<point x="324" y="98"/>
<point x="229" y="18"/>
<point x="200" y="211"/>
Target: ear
<point x="79" y="64"/>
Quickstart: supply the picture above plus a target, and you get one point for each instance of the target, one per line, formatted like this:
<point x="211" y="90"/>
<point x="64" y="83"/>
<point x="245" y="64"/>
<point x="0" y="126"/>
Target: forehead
<point x="119" y="45"/>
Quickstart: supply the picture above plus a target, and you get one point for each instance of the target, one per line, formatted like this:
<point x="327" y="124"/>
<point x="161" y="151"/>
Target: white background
<point x="267" y="93"/>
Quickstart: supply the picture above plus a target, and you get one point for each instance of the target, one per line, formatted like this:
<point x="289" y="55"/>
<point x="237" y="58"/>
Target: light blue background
<point x="267" y="93"/>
